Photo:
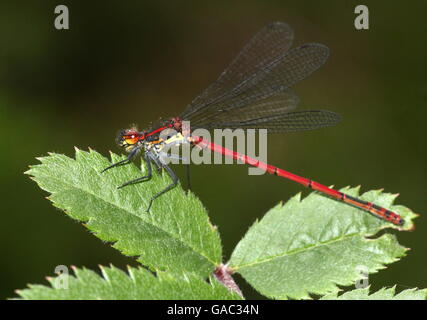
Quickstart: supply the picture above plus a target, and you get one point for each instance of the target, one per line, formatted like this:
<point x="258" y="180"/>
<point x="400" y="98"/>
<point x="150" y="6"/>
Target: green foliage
<point x="303" y="247"/>
<point x="140" y="284"/>
<point x="175" y="235"/>
<point x="383" y="294"/>
<point x="312" y="245"/>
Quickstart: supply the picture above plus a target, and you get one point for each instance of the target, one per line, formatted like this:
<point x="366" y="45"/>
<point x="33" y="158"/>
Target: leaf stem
<point x="223" y="274"/>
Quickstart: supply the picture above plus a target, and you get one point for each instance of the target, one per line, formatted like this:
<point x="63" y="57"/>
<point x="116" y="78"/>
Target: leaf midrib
<point x="296" y="251"/>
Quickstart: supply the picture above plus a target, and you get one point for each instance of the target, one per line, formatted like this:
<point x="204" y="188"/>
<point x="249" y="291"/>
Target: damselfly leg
<point x="124" y="161"/>
<point x="147" y="159"/>
<point x="169" y="187"/>
<point x="165" y="155"/>
<point x="187" y="174"/>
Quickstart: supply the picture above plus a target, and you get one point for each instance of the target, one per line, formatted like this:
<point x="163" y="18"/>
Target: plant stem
<point x="223" y="274"/>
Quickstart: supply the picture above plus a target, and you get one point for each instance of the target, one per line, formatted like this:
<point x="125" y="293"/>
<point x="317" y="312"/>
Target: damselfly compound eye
<point x="128" y="137"/>
<point x="131" y="139"/>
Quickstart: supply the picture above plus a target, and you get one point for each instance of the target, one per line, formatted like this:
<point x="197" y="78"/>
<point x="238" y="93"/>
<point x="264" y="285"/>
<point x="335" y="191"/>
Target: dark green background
<point x="132" y="61"/>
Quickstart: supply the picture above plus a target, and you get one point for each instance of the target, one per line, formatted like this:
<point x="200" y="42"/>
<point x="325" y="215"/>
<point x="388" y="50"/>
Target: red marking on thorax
<point x="142" y="137"/>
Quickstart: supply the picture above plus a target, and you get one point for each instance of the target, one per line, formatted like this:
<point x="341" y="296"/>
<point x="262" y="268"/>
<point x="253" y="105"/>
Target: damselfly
<point x="252" y="93"/>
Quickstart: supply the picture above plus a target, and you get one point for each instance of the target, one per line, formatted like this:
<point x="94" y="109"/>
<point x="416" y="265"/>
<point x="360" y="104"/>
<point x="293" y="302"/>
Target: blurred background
<point x="124" y="62"/>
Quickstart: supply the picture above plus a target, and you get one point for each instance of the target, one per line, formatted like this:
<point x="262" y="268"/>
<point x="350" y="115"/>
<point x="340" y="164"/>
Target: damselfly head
<point x="128" y="139"/>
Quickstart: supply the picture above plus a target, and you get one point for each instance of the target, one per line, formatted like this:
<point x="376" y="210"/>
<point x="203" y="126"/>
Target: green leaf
<point x="383" y="294"/>
<point x="312" y="245"/>
<point x="175" y="235"/>
<point x="139" y="284"/>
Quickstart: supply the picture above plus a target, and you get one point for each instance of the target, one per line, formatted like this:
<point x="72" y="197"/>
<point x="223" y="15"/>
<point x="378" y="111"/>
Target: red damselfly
<point x="252" y="93"/>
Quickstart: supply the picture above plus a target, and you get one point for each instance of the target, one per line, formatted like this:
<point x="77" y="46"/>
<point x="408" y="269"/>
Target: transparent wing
<point x="262" y="107"/>
<point x="257" y="83"/>
<point x="261" y="51"/>
<point x="283" y="122"/>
